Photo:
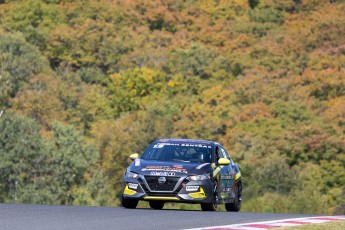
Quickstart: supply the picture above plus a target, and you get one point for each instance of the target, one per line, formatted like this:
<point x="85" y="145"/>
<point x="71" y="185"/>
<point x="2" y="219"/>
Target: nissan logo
<point x="162" y="180"/>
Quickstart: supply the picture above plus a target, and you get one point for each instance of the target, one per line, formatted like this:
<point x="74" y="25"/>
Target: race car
<point x="183" y="170"/>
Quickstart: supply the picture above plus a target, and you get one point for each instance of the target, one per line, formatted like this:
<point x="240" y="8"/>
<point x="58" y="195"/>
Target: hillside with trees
<point x="85" y="83"/>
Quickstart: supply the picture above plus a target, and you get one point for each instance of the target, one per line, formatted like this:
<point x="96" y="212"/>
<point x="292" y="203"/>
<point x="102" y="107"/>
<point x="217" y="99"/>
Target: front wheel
<point x="213" y="205"/>
<point x="209" y="207"/>
<point x="156" y="204"/>
<point x="129" y="203"/>
<point x="236" y="205"/>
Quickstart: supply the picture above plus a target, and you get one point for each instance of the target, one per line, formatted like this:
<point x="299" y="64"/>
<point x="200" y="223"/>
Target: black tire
<point x="156" y="204"/>
<point x="129" y="203"/>
<point x="209" y="207"/>
<point x="213" y="205"/>
<point x="236" y="205"/>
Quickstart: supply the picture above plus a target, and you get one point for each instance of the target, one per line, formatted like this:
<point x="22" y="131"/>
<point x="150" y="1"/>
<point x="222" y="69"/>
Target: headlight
<point x="132" y="175"/>
<point x="199" y="177"/>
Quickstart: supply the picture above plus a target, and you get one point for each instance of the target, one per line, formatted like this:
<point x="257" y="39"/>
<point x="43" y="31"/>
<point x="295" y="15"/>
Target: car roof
<point x="186" y="140"/>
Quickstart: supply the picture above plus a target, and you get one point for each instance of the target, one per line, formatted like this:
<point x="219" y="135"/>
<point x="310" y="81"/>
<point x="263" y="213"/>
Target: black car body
<point x="183" y="170"/>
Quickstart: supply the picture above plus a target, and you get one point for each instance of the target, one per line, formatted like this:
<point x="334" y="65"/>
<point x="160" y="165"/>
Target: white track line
<point x="275" y="223"/>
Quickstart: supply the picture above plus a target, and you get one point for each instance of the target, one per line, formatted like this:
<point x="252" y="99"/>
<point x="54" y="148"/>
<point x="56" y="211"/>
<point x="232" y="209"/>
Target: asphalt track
<point x="44" y="217"/>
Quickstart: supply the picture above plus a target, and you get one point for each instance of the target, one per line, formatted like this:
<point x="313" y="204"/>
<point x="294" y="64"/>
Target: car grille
<point x="168" y="186"/>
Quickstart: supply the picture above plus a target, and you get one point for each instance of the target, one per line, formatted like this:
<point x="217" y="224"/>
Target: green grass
<point x="170" y="205"/>
<point x="180" y="206"/>
<point x="334" y="225"/>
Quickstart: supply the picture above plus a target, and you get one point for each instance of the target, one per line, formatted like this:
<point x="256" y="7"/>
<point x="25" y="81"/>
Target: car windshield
<point x="179" y="152"/>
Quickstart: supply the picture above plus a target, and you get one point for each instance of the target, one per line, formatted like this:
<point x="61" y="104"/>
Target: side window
<point x="220" y="152"/>
<point x="225" y="154"/>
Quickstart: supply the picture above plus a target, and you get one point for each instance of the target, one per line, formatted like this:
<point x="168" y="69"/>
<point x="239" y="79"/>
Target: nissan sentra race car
<point x="183" y="170"/>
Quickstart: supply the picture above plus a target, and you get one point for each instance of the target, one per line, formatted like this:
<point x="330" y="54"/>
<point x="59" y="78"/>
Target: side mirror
<point x="134" y="156"/>
<point x="223" y="161"/>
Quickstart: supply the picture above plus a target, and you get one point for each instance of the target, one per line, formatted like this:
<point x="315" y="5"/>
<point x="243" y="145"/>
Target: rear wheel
<point x="129" y="203"/>
<point x="156" y="204"/>
<point x="213" y="205"/>
<point x="236" y="205"/>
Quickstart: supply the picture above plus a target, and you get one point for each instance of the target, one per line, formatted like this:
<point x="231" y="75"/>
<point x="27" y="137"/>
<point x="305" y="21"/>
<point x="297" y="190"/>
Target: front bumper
<point x="177" y="189"/>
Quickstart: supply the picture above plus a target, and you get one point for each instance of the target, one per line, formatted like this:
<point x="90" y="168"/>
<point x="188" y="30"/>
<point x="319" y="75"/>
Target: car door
<point x="227" y="176"/>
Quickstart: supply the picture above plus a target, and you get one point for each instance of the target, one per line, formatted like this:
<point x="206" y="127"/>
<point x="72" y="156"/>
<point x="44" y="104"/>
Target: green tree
<point x="18" y="62"/>
<point x="128" y="88"/>
<point x="33" y="18"/>
<point x="72" y="159"/>
<point x="308" y="194"/>
<point x="23" y="167"/>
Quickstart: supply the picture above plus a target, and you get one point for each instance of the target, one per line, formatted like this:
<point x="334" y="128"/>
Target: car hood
<point x="146" y="167"/>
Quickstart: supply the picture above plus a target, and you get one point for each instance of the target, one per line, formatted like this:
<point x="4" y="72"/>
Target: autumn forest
<point x="86" y="83"/>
